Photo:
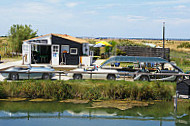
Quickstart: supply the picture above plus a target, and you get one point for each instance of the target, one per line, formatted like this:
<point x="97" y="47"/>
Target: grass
<point x="5" y="47"/>
<point x="184" y="45"/>
<point x="88" y="90"/>
<point x="11" y="59"/>
<point x="182" y="59"/>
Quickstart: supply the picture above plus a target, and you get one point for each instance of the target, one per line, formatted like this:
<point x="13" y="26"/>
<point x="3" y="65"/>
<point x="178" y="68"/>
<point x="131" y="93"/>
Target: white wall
<point x="48" y="38"/>
<point x="86" y="60"/>
<point x="85" y="49"/>
<point x="26" y="53"/>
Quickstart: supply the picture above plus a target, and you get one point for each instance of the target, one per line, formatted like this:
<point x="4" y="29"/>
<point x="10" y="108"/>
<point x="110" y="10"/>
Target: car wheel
<point x="111" y="77"/>
<point x="77" y="77"/>
<point x="14" y="76"/>
<point x="179" y="79"/>
<point x="144" y="78"/>
<point x="46" y="77"/>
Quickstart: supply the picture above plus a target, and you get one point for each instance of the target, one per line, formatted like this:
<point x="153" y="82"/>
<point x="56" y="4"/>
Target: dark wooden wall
<point x="70" y="59"/>
<point x="145" y="51"/>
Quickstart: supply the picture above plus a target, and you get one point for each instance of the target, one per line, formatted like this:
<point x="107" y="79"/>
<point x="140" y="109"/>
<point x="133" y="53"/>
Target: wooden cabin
<point x="54" y="49"/>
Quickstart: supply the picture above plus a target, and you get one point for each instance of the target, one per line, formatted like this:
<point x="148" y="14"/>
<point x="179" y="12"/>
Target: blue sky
<point x="111" y="18"/>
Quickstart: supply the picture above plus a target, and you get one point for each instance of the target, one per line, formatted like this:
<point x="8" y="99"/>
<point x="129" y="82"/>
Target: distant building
<point x="54" y="49"/>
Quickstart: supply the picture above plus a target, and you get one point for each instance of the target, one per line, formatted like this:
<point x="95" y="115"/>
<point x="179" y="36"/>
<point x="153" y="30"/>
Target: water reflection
<point x="162" y="112"/>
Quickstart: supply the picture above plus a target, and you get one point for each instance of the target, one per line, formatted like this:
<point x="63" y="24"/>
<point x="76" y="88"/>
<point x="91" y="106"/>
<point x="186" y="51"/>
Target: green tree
<point x="114" y="47"/>
<point x="19" y="33"/>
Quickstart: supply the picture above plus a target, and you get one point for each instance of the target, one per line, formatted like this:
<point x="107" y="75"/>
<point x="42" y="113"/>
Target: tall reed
<point x="88" y="89"/>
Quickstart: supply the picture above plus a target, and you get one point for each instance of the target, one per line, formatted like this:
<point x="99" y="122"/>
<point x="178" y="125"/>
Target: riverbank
<point x="87" y="90"/>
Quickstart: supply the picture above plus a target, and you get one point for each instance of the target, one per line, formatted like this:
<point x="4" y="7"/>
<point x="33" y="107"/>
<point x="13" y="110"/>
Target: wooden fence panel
<point x="145" y="51"/>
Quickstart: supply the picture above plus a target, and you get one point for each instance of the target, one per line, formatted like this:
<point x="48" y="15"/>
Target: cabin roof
<point x="65" y="36"/>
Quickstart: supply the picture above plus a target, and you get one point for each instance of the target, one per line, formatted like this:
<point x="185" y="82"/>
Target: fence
<point x="145" y="51"/>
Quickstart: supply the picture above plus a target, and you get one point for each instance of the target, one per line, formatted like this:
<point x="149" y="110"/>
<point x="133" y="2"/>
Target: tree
<point x="19" y="33"/>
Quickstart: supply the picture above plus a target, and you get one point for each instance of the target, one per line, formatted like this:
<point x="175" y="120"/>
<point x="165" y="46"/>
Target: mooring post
<point x="28" y="74"/>
<point x="175" y="102"/>
<point x="59" y="75"/>
<point x="91" y="75"/>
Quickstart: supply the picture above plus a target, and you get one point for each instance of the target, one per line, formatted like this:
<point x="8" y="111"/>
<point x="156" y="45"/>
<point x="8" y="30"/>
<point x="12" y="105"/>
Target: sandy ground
<point x="10" y="64"/>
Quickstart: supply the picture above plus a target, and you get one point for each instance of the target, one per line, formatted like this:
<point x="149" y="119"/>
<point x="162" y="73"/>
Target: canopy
<point x="134" y="59"/>
<point x="104" y="43"/>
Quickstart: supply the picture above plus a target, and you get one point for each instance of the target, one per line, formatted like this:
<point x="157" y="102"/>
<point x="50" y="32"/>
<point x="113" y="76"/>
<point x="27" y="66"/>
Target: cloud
<point x="72" y="4"/>
<point x="35" y="13"/>
<point x="129" y="18"/>
<point x="168" y="2"/>
<point x="173" y="21"/>
<point x="180" y="7"/>
<point x="91" y="12"/>
<point x="106" y="6"/>
<point x="53" y="1"/>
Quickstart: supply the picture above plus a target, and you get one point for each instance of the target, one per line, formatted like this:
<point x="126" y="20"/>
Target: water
<point x="67" y="114"/>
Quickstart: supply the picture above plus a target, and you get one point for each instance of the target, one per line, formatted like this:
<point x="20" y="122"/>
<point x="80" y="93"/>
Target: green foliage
<point x="182" y="59"/>
<point x="88" y="89"/>
<point x="126" y="42"/>
<point x="2" y="94"/>
<point x="184" y="45"/>
<point x="119" y="52"/>
<point x="19" y="33"/>
<point x="114" y="46"/>
<point x="91" y="41"/>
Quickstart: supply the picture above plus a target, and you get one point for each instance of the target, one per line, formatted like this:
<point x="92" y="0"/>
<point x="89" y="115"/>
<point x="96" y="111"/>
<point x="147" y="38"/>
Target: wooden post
<point x="28" y="74"/>
<point x="175" y="102"/>
<point x="91" y="75"/>
<point x="59" y="76"/>
<point x="164" y="40"/>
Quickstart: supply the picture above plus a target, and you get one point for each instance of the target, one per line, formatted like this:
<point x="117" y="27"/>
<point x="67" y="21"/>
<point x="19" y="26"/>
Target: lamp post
<point x="164" y="39"/>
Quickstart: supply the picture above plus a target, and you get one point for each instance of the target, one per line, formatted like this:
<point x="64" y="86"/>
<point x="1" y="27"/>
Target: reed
<point x="88" y="89"/>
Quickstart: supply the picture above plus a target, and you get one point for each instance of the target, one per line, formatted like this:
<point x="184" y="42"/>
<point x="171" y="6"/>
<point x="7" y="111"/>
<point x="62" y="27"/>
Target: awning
<point x="99" y="45"/>
<point x="104" y="43"/>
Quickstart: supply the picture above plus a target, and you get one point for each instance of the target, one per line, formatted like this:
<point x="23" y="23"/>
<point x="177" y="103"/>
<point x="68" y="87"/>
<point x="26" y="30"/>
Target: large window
<point x="74" y="51"/>
<point x="65" y="48"/>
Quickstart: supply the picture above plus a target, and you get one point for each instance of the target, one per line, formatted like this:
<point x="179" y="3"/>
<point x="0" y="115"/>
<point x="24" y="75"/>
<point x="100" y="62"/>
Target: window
<point x="73" y="51"/>
<point x="25" y="48"/>
<point x="55" y="49"/>
<point x="65" y="48"/>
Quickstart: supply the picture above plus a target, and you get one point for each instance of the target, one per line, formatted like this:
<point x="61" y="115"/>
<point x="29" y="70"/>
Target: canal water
<point x="67" y="114"/>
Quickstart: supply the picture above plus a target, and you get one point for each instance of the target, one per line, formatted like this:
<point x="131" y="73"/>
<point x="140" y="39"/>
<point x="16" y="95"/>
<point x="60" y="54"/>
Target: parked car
<point x="16" y="76"/>
<point x="96" y="73"/>
<point x="177" y="78"/>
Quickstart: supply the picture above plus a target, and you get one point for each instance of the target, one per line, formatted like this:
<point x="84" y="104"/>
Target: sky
<point x="99" y="18"/>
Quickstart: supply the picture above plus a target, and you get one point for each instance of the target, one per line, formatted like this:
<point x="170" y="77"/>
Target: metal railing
<point x="125" y="74"/>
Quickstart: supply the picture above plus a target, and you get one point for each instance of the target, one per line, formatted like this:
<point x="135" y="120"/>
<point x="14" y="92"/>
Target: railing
<point x="94" y="72"/>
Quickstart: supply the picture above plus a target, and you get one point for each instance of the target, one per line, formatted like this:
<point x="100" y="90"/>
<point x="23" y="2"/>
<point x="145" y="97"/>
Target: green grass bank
<point x="87" y="89"/>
